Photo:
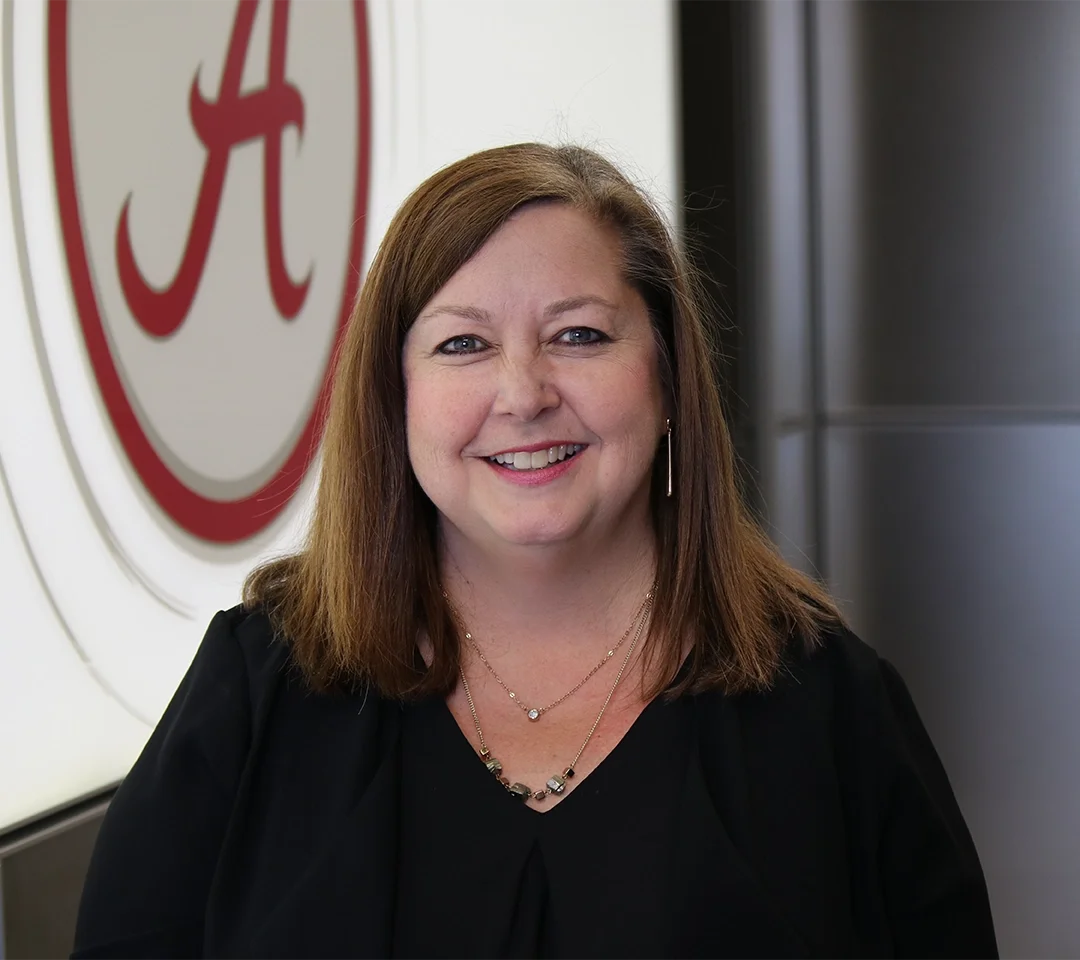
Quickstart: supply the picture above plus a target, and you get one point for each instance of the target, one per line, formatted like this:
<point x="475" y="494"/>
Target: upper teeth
<point x="523" y="460"/>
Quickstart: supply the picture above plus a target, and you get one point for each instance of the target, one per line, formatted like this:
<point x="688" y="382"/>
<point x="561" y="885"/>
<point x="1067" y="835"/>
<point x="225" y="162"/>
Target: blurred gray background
<point x="900" y="247"/>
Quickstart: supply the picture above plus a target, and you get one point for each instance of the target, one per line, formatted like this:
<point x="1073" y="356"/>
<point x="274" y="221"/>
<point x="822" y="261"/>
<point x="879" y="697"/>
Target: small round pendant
<point x="533" y="714"/>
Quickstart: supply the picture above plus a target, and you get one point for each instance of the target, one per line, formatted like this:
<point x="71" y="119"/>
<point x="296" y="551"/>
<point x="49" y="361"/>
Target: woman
<point x="537" y="685"/>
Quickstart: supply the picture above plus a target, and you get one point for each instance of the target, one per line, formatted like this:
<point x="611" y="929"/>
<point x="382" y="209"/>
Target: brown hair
<point x="353" y="602"/>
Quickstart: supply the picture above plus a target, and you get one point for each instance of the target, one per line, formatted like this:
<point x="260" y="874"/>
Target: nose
<point x="526" y="388"/>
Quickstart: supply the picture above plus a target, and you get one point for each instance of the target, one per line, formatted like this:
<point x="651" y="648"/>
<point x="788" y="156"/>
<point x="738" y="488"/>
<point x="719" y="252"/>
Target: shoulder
<point x="838" y="773"/>
<point x="209" y="719"/>
<point x="241" y="647"/>
<point x="840" y="702"/>
<point x="284" y="711"/>
<point x="249" y="629"/>
<point x="839" y="709"/>
<point x="839" y="669"/>
<point x="837" y="665"/>
<point x="896" y="798"/>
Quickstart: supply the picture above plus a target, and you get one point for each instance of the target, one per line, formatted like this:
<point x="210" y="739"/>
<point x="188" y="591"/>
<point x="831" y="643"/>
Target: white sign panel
<point x="190" y="192"/>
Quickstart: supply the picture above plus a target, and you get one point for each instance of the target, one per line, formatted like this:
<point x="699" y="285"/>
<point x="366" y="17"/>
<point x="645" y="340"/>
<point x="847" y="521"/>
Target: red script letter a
<point x="222" y="124"/>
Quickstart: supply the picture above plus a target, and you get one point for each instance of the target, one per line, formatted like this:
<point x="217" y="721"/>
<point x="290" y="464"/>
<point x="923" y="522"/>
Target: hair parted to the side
<point x="352" y="603"/>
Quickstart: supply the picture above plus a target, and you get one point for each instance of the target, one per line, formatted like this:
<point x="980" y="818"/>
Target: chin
<point x="534" y="531"/>
<point x="531" y="537"/>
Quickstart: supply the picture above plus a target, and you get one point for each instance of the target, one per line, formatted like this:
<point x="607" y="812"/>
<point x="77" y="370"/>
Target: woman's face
<point x="534" y="403"/>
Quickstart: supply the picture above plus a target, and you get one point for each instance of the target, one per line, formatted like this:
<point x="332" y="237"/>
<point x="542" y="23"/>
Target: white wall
<point x="102" y="597"/>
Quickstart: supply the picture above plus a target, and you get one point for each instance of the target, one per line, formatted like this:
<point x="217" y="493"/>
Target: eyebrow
<point x="560" y="307"/>
<point x="453" y="310"/>
<point x="556" y="309"/>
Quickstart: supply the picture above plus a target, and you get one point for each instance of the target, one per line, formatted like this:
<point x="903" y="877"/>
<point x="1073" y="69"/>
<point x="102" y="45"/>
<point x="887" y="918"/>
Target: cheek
<point x="423" y="424"/>
<point x="440" y="419"/>
<point x="629" y="406"/>
<point x="639" y="439"/>
<point x="421" y="421"/>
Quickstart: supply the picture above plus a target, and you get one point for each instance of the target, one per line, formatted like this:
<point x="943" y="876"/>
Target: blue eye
<point x="456" y="346"/>
<point x="582" y="336"/>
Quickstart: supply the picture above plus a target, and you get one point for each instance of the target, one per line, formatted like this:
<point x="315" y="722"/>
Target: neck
<point x="551" y="595"/>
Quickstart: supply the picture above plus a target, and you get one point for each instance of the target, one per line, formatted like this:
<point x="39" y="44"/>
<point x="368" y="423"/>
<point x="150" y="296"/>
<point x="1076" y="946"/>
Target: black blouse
<point x="264" y="820"/>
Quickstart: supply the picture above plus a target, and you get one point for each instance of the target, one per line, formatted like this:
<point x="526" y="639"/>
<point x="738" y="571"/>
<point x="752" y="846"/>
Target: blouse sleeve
<point x="931" y="880"/>
<point x="150" y="873"/>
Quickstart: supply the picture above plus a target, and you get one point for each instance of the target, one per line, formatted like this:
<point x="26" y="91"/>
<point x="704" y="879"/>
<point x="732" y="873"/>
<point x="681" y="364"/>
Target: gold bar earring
<point x="670" y="480"/>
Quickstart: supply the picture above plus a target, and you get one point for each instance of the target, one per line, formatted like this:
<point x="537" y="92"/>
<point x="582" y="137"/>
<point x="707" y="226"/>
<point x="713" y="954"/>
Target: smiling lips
<point x="522" y="460"/>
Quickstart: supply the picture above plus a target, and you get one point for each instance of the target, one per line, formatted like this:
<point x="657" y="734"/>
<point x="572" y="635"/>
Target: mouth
<point x="523" y="461"/>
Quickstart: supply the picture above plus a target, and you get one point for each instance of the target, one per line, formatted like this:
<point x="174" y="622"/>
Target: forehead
<point x="543" y="250"/>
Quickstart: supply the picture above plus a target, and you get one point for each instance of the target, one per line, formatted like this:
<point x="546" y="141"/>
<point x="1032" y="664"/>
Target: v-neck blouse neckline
<point x="445" y="718"/>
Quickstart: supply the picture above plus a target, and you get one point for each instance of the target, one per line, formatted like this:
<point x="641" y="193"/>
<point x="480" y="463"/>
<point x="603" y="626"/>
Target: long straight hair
<point x="366" y="584"/>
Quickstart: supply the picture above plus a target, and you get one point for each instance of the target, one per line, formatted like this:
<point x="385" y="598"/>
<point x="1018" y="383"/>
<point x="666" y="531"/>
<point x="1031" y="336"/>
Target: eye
<point x="582" y="336"/>
<point x="456" y="346"/>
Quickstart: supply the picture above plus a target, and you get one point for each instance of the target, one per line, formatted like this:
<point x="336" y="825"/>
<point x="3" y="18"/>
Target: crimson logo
<point x="212" y="167"/>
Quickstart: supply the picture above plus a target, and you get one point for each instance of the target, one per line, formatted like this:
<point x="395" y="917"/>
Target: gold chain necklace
<point x="535" y="713"/>
<point x="557" y="782"/>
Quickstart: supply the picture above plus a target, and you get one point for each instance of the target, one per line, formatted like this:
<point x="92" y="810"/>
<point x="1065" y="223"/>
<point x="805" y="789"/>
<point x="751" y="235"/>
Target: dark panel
<point x="791" y="514"/>
<point x="958" y="551"/>
<point x="42" y="884"/>
<point x="707" y="122"/>
<point x="776" y="267"/>
<point x="950" y="267"/>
